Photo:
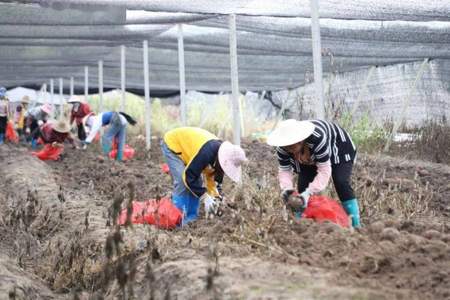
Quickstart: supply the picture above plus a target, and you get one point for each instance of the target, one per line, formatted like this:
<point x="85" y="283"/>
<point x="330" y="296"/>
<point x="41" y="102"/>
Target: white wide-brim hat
<point x="290" y="132"/>
<point x="25" y="99"/>
<point x="231" y="158"/>
<point x="75" y="99"/>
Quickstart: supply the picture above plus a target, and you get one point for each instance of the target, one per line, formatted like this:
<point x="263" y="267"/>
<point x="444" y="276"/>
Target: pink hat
<point x="47" y="108"/>
<point x="231" y="158"/>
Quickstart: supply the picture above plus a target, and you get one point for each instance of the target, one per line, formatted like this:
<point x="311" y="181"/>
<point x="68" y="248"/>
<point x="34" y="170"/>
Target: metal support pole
<point x="61" y="100"/>
<point x="122" y="76"/>
<point x="52" y="92"/>
<point x="234" y="81"/>
<point x="71" y="86"/>
<point x="100" y="86"/>
<point x="86" y="82"/>
<point x="317" y="57"/>
<point x="148" y="107"/>
<point x="44" y="88"/>
<point x="182" y="75"/>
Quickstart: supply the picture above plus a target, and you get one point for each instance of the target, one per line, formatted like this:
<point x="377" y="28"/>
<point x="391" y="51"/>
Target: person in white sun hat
<point x="316" y="150"/>
<point x="193" y="153"/>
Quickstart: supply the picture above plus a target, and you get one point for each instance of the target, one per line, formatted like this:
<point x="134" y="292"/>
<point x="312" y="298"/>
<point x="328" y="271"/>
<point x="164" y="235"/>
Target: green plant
<point x="366" y="134"/>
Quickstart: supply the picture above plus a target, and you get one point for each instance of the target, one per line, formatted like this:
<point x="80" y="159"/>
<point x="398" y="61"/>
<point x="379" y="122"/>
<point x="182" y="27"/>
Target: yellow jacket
<point x="187" y="142"/>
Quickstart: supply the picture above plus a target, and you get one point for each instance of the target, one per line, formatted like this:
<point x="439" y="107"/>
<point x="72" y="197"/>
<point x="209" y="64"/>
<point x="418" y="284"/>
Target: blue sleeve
<point x="193" y="172"/>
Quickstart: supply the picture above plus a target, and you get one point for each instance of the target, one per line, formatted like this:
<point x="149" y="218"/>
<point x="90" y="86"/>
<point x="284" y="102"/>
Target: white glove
<point x="210" y="204"/>
<point x="40" y="123"/>
<point x="305" y="196"/>
<point x="27" y="130"/>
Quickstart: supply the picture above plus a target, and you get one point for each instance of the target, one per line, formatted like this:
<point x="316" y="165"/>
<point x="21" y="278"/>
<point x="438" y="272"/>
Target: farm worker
<point x="80" y="109"/>
<point x="316" y="150"/>
<point x="192" y="153"/>
<point x="56" y="133"/>
<point x="4" y="112"/>
<point x="19" y="115"/>
<point x="34" y="118"/>
<point x="117" y="129"/>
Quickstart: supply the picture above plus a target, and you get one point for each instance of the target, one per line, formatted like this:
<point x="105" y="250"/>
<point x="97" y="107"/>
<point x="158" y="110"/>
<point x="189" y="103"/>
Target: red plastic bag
<point x="162" y="213"/>
<point x="165" y="168"/>
<point x="322" y="208"/>
<point x="10" y="133"/>
<point x="49" y="152"/>
<point x="128" y="152"/>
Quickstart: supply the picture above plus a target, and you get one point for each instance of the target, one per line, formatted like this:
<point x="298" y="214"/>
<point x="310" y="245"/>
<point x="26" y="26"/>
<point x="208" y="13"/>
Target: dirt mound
<point x="58" y="225"/>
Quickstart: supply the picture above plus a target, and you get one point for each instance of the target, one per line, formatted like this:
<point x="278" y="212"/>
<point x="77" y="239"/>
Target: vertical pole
<point x="45" y="93"/>
<point x="86" y="82"/>
<point x="52" y="90"/>
<point x="71" y="86"/>
<point x="61" y="100"/>
<point x="122" y="76"/>
<point x="100" y="86"/>
<point x="234" y="81"/>
<point x="182" y="74"/>
<point x="317" y="57"/>
<point x="148" y="107"/>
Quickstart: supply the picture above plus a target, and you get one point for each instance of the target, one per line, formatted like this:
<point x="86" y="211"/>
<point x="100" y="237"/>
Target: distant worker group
<point x="315" y="150"/>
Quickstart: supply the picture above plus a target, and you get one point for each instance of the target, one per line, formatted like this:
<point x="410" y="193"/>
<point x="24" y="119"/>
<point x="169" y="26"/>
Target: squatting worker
<point x="316" y="150"/>
<point x="116" y="123"/>
<point x="35" y="118"/>
<point x="192" y="153"/>
<point x="56" y="133"/>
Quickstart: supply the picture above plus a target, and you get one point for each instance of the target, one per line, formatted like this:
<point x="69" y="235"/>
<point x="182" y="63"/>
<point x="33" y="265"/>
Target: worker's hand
<point x="27" y="130"/>
<point x="84" y="145"/>
<point x="297" y="203"/>
<point x="40" y="123"/>
<point x="210" y="204"/>
<point x="305" y="196"/>
<point x="286" y="194"/>
<point x="56" y="145"/>
<point x="220" y="201"/>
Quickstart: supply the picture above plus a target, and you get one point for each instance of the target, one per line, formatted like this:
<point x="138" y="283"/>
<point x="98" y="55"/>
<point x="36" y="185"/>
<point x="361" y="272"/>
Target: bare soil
<point x="58" y="239"/>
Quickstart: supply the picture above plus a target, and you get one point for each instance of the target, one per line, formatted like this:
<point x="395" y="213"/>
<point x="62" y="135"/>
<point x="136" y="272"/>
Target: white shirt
<point x="95" y="123"/>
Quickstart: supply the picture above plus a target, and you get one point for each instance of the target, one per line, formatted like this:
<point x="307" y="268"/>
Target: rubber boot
<point x="33" y="143"/>
<point x="351" y="207"/>
<point x="106" y="148"/>
<point x="2" y="138"/>
<point x="119" y="156"/>
<point x="192" y="212"/>
<point x="182" y="203"/>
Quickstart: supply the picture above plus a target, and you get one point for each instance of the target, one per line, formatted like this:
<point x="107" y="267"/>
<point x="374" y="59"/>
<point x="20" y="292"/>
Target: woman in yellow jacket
<point x="193" y="153"/>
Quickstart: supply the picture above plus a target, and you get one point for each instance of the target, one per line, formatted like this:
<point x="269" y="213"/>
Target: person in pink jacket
<point x="316" y="150"/>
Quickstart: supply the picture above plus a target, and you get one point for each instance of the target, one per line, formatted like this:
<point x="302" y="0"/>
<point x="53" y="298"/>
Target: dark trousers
<point x="34" y="129"/>
<point x="81" y="132"/>
<point x="3" y="122"/>
<point x="340" y="173"/>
